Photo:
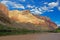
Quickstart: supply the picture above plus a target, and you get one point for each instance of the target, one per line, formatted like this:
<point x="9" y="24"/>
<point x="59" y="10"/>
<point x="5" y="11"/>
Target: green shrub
<point x="4" y="30"/>
<point x="57" y="30"/>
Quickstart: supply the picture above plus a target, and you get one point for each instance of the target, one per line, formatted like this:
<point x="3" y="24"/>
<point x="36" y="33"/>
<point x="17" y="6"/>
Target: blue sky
<point x="49" y="8"/>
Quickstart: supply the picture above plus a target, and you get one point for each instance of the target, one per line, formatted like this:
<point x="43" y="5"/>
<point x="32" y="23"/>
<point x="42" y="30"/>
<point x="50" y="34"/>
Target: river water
<point x="38" y="36"/>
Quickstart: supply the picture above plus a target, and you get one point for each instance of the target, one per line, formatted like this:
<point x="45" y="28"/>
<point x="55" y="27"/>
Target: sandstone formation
<point x="4" y="13"/>
<point x="24" y="19"/>
<point x="4" y="9"/>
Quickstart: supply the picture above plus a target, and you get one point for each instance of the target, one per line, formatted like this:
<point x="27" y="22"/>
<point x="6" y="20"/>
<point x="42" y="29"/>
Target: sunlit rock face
<point x="24" y="19"/>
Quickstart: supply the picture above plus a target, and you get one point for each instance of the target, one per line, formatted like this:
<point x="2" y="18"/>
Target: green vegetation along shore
<point x="4" y="30"/>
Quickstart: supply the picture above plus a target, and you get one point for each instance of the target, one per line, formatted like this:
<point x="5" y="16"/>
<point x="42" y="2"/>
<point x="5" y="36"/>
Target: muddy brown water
<point x="43" y="36"/>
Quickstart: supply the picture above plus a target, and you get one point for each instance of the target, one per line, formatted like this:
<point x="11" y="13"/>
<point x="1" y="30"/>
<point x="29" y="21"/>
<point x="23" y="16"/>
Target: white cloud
<point x="44" y="8"/>
<point x="53" y="4"/>
<point x="50" y="10"/>
<point x="36" y="11"/>
<point x="15" y="5"/>
<point x="47" y="7"/>
<point x="45" y="2"/>
<point x="4" y="2"/>
<point x="22" y="0"/>
<point x="58" y="8"/>
<point x="19" y="6"/>
<point x="41" y="10"/>
<point x="57" y="22"/>
<point x="58" y="25"/>
<point x="29" y="6"/>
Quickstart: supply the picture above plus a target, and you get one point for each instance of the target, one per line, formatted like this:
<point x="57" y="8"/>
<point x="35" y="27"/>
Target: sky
<point x="49" y="8"/>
